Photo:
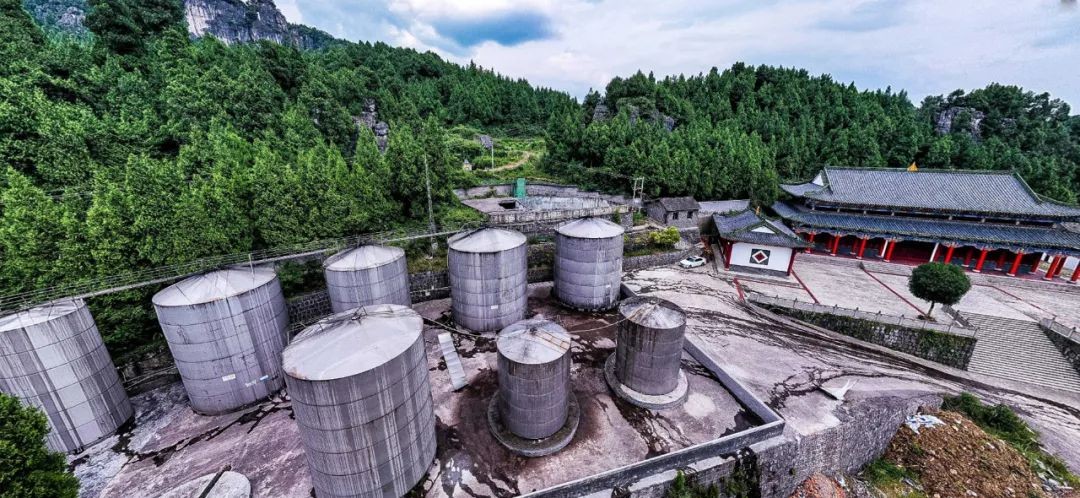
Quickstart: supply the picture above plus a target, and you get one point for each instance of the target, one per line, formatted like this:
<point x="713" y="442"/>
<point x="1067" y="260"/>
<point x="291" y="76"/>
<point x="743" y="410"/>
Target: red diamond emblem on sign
<point x="759" y="256"/>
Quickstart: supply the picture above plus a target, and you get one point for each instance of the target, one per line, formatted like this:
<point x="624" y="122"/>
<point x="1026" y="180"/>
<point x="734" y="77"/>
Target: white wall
<point x="778" y="257"/>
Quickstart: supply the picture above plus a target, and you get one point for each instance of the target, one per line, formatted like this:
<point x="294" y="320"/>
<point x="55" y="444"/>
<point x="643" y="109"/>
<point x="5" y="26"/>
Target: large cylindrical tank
<point x="226" y="330"/>
<point x="588" y="263"/>
<point x="367" y="275"/>
<point x="52" y="358"/>
<point x="488" y="278"/>
<point x="649" y="344"/>
<point x="362" y="399"/>
<point x="534" y="378"/>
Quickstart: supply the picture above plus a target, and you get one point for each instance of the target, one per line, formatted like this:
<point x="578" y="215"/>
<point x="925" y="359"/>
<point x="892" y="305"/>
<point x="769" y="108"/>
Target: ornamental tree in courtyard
<point x="27" y="468"/>
<point x="939" y="283"/>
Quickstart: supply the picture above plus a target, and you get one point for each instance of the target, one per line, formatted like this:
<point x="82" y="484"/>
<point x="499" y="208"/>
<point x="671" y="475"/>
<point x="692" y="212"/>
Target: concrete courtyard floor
<point x="786" y="365"/>
<point x="169" y="444"/>
<point x="847" y="285"/>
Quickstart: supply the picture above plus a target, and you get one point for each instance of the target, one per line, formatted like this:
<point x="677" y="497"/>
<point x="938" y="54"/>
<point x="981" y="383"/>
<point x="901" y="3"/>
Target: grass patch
<point x="890" y="479"/>
<point x="1001" y="422"/>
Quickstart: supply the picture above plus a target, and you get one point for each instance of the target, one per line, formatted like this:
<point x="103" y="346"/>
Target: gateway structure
<point x="754" y="243"/>
<point x="983" y="220"/>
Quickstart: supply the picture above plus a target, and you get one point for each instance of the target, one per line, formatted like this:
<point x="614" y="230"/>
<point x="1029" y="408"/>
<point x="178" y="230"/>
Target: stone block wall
<point x="947" y="349"/>
<point x="1067" y="341"/>
<point x="862" y="434"/>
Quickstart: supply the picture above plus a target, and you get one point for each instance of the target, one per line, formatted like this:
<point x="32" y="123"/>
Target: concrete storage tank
<point x="644" y="369"/>
<point x="52" y="357"/>
<point x="226" y="330"/>
<point x="367" y="275"/>
<point x="362" y="399"/>
<point x="588" y="263"/>
<point x="488" y="278"/>
<point x="535" y="412"/>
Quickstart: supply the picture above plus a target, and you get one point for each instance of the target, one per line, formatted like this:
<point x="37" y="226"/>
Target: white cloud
<point x="924" y="46"/>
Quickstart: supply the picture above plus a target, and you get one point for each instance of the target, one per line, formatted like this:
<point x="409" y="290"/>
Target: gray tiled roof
<point x="988" y="235"/>
<point x="730" y="206"/>
<point x="740" y="228"/>
<point x="679" y="204"/>
<point x="982" y="192"/>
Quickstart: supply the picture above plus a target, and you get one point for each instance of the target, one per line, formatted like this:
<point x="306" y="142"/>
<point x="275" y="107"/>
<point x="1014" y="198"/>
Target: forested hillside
<point x="144" y="147"/>
<point x="736" y="132"/>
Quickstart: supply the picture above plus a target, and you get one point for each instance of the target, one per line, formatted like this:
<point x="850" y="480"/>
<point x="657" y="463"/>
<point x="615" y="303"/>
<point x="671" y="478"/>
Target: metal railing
<point x="901" y="321"/>
<point x="97" y="286"/>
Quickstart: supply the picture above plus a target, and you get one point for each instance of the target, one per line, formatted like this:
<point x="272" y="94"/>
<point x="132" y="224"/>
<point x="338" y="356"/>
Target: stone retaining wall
<point x="948" y="349"/>
<point x="1067" y="340"/>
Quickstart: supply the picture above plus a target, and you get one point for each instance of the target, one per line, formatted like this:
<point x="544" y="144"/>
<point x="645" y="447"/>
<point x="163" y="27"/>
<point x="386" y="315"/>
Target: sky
<point x="927" y="47"/>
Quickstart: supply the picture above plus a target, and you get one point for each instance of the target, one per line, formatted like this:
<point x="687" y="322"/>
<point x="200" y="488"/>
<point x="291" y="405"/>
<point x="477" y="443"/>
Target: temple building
<point x="753" y="243"/>
<point x="983" y="220"/>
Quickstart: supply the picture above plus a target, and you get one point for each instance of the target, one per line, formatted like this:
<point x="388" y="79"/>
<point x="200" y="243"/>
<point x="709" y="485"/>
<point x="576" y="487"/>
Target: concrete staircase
<point x="1019" y="350"/>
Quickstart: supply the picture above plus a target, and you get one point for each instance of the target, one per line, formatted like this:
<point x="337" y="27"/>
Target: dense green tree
<point x="125" y="26"/>
<point x="939" y="283"/>
<point x="27" y="468"/>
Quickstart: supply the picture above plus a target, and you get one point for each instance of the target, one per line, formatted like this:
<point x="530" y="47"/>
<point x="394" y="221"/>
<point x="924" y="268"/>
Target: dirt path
<point x="516" y="164"/>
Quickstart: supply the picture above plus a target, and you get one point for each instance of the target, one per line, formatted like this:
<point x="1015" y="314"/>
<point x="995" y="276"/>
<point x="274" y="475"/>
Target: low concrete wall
<point x="1066" y="339"/>
<point x="951" y="347"/>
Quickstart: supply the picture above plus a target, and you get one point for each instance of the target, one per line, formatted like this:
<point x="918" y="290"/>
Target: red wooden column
<point x="862" y="248"/>
<point x="948" y="254"/>
<point x="1055" y="267"/>
<point x="1035" y="265"/>
<point x="1016" y="264"/>
<point x="1001" y="261"/>
<point x="810" y="240"/>
<point x="727" y="255"/>
<point x="967" y="257"/>
<point x="982" y="259"/>
<point x="1076" y="274"/>
<point x="791" y="262"/>
<point x="835" y="245"/>
<point x="888" y="254"/>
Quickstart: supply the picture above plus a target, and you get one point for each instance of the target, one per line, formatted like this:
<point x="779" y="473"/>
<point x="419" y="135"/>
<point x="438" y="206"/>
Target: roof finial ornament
<point x="913" y="167"/>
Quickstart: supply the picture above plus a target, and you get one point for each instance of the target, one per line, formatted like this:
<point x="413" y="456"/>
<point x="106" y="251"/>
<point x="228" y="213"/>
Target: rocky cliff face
<point x="231" y="21"/>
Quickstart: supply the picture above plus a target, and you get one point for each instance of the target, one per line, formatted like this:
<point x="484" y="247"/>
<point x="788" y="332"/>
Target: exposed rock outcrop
<point x="231" y="21"/>
<point x="945" y="121"/>
<point x="369" y="117"/>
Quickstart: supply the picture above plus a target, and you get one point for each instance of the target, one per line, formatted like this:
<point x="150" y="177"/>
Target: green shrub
<point x="667" y="237"/>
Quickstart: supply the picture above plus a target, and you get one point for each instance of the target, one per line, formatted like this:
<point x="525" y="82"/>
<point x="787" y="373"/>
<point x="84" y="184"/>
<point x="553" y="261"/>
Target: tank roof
<point x="486" y="240"/>
<point x="591" y="228"/>
<point x="363" y="257"/>
<point x="534" y="341"/>
<point x="214" y="286"/>
<point x="39" y="314"/>
<point x="652" y="312"/>
<point x="353" y="342"/>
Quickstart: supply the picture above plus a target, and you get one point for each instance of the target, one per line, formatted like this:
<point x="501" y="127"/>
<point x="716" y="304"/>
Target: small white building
<point x="750" y="242"/>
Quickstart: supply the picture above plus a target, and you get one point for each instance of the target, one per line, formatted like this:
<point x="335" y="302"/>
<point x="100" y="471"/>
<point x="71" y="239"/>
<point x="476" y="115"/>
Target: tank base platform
<point x="649" y="401"/>
<point x="533" y="447"/>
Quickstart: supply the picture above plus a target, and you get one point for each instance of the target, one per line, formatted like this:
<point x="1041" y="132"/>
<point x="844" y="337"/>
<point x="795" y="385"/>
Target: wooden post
<point x="933" y="254"/>
<point x="1076" y="274"/>
<point x="967" y="257"/>
<point x="948" y="255"/>
<point x="810" y="240"/>
<point x="1001" y="261"/>
<point x="1055" y="267"/>
<point x="835" y="245"/>
<point x="862" y="248"/>
<point x="1035" y="265"/>
<point x="791" y="262"/>
<point x="982" y="259"/>
<point x="1016" y="263"/>
<point x="888" y="254"/>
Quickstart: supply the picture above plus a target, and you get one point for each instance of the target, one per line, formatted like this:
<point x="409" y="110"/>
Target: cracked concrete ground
<point x="169" y="444"/>
<point x="782" y="364"/>
<point x="785" y="365"/>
